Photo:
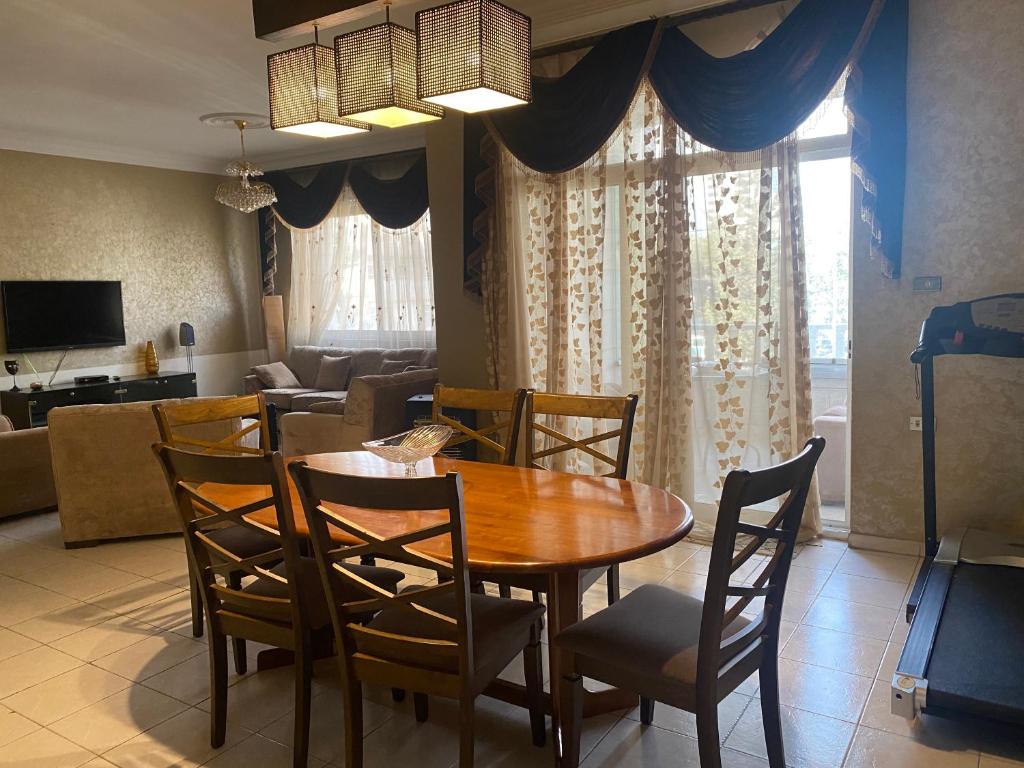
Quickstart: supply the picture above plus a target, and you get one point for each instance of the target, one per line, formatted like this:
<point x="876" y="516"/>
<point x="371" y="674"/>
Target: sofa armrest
<point x="251" y="384"/>
<point x="377" y="403"/>
<point x="26" y="472"/>
<point x="304" y="433"/>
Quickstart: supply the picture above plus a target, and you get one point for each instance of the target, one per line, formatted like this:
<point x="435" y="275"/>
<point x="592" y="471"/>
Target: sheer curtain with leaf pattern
<point x="356" y="283"/>
<point x="667" y="269"/>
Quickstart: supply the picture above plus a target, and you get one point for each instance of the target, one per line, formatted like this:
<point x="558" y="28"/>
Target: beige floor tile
<point x="988" y="761"/>
<point x="31" y="527"/>
<point x="63" y="622"/>
<point x="327" y="725"/>
<point x="673" y="557"/>
<point x="23" y="601"/>
<point x="258" y="751"/>
<point x="173" y="611"/>
<point x="633" y="575"/>
<point x="99" y="762"/>
<point x="181" y="742"/>
<point x="878" y="565"/>
<point x="13" y="727"/>
<point x="118" y="718"/>
<point x="796" y="605"/>
<point x="889" y="661"/>
<point x="12" y="643"/>
<point x="810" y="740"/>
<point x="928" y="730"/>
<point x="806" y="579"/>
<point x="698" y="562"/>
<point x="44" y="749"/>
<point x="259" y="698"/>
<point x="693" y="584"/>
<point x="873" y="748"/>
<point x="629" y="745"/>
<point x="140" y="593"/>
<point x="685" y="723"/>
<point x="835" y="650"/>
<point x="33" y="667"/>
<point x="80" y="579"/>
<point x="861" y="589"/>
<point x="823" y="691"/>
<point x="150" y="656"/>
<point x="64" y="694"/>
<point x="818" y="557"/>
<point x="142" y="558"/>
<point x="855" y="618"/>
<point x="189" y="681"/>
<point x="105" y="638"/>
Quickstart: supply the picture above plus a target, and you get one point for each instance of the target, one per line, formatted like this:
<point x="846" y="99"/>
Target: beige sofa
<point x="26" y="477"/>
<point x="109" y="483"/>
<point x="374" y="408"/>
<point x="304" y="362"/>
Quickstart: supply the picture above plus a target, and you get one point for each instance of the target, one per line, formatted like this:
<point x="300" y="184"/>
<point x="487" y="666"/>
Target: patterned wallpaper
<point x="965" y="222"/>
<point x="180" y="255"/>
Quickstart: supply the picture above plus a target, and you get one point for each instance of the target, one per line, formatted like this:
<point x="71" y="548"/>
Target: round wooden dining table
<point x="519" y="520"/>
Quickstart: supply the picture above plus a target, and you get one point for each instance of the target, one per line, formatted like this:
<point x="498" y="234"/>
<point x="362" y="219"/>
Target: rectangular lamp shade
<point x="377" y="77"/>
<point x="304" y="93"/>
<point x="474" y="56"/>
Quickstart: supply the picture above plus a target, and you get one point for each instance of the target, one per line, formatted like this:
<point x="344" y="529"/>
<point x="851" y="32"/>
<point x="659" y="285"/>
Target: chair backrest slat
<point x="174" y="418"/>
<point x="443" y="620"/>
<point x="544" y="440"/>
<point x="721" y="643"/>
<point x="504" y="406"/>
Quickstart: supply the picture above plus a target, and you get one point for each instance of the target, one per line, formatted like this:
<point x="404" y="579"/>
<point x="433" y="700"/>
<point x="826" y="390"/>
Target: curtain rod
<point x="677" y="19"/>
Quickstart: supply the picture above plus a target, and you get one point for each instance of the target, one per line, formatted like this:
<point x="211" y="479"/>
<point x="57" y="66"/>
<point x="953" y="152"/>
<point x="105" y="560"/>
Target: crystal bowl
<point x="410" y="447"/>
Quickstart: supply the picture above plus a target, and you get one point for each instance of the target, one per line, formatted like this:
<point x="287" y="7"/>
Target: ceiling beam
<point x="280" y="19"/>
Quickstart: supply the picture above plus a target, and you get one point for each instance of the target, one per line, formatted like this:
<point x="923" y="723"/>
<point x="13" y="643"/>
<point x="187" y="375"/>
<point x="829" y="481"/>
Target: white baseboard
<point x="220" y="374"/>
<point x="883" y="544"/>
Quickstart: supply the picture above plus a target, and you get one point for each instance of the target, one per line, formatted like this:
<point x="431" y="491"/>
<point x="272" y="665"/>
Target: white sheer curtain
<point x="663" y="268"/>
<point x="358" y="284"/>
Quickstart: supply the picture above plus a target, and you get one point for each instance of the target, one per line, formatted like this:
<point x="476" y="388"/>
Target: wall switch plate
<point x="915" y="423"/>
<point x="928" y="284"/>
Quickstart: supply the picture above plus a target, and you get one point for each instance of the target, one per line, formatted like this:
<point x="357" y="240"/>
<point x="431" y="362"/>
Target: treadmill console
<point x="993" y="325"/>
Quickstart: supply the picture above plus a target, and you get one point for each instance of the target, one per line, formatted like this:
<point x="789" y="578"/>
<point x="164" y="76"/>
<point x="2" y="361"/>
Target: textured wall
<point x="180" y="255"/>
<point x="964" y="221"/>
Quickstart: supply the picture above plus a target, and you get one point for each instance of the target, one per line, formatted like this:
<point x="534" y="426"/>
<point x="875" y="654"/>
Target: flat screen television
<point x="62" y="314"/>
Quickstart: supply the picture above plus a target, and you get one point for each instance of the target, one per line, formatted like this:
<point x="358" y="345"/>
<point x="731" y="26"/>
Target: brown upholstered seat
<point x="500" y="627"/>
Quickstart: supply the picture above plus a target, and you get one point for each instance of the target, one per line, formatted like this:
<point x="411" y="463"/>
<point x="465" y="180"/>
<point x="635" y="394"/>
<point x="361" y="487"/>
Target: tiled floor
<point x="98" y="668"/>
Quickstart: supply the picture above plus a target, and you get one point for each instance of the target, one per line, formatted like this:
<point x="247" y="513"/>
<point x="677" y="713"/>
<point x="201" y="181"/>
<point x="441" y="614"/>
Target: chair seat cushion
<point x="307" y="401"/>
<point x="311" y="586"/>
<point x="501" y="627"/>
<point x="650" y="635"/>
<point x="282" y="398"/>
<point x="242" y="541"/>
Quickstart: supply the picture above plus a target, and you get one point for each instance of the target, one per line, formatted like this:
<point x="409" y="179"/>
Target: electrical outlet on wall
<point x="916" y="423"/>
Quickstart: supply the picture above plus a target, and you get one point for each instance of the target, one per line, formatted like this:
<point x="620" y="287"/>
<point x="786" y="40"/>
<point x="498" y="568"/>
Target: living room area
<point x="467" y="383"/>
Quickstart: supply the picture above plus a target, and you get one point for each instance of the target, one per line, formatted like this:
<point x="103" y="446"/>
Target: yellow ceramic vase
<point x="152" y="361"/>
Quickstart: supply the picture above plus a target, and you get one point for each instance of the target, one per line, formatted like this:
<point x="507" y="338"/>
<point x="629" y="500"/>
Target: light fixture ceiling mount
<point x="243" y="194"/>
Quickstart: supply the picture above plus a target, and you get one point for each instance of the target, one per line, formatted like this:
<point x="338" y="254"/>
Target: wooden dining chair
<point x="433" y="640"/>
<point x="181" y="424"/>
<point x="500" y="437"/>
<point x="284" y="606"/>
<point x="546" y="411"/>
<point x="689" y="653"/>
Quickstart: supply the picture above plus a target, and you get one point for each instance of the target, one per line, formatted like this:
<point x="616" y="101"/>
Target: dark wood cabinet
<point x="28" y="408"/>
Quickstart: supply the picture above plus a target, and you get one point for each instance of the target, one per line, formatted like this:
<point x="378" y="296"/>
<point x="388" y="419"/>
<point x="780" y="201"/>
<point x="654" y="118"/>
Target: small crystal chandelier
<point x="244" y="195"/>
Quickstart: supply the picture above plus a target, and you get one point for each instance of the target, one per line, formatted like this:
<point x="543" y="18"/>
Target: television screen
<point x="62" y="314"/>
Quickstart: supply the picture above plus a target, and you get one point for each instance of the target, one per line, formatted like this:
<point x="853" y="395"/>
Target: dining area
<point x="425" y="580"/>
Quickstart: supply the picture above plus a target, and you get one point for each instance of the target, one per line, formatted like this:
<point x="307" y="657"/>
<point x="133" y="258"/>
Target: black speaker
<point x="186" y="335"/>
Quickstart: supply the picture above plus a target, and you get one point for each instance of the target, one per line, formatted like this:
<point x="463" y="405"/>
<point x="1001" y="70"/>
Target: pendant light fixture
<point x="377" y="76"/>
<point x="244" y="194"/>
<point x="304" y="92"/>
<point x="474" y="56"/>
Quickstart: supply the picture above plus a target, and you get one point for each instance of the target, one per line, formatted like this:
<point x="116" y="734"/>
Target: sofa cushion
<point x="276" y="375"/>
<point x="305" y="361"/>
<point x="333" y="373"/>
<point x="306" y="402"/>
<point x="282" y="398"/>
<point x="336" y="407"/>
<point x="389" y="367"/>
<point x="5" y="424"/>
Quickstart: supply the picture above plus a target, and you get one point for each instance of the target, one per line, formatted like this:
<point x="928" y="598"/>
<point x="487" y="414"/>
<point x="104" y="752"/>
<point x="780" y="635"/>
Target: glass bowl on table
<point x="409" y="448"/>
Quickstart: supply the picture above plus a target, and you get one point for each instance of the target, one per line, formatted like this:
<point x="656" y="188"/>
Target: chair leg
<point x="770" y="713"/>
<point x="197" y="608"/>
<point x="467" y="714"/>
<point x="218" y="688"/>
<point x="238" y="643"/>
<point x="421" y="706"/>
<point x="303" y="694"/>
<point x="533" y="664"/>
<point x="367" y="560"/>
<point x="352" y="696"/>
<point x="613" y="584"/>
<point x="398" y="694"/>
<point x="504" y="590"/>
<point x="646" y="711"/>
<point x="537" y="599"/>
<point x="707" y="734"/>
<point x="571" y="726"/>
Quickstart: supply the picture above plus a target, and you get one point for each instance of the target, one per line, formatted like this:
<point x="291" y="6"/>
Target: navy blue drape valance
<point x="736" y="104"/>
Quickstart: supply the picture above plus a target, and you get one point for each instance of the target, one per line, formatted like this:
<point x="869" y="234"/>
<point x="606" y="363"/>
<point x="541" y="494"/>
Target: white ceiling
<point x="126" y="80"/>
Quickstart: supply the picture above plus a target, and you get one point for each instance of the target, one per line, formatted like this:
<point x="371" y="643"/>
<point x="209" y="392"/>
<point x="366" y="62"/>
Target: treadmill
<point x="964" y="656"/>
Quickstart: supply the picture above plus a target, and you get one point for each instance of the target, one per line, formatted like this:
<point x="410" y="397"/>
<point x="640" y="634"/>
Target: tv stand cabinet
<point x="28" y="408"/>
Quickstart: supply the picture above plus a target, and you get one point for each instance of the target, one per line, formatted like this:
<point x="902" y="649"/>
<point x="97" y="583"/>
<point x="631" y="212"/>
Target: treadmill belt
<point x="977" y="664"/>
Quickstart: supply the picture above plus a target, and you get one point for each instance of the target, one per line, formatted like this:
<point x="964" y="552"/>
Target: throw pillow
<point x="276" y="376"/>
<point x="333" y="374"/>
<point x="416" y="368"/>
<point x="393" y="366"/>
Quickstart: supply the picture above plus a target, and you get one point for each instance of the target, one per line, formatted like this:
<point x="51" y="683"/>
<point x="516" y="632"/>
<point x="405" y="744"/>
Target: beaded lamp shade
<point x="474" y="55"/>
<point x="304" y="93"/>
<point x="377" y="77"/>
